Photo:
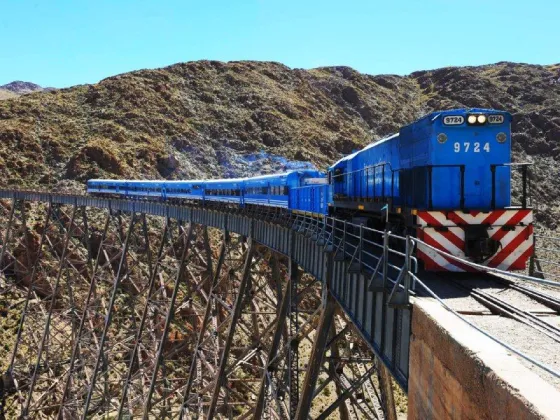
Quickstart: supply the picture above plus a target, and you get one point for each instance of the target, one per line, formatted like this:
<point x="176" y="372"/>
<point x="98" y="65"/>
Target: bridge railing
<point x="387" y="258"/>
<point x="545" y="261"/>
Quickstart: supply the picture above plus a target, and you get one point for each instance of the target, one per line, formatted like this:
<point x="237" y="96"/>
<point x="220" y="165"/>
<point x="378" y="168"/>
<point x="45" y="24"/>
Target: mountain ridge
<point x="209" y="119"/>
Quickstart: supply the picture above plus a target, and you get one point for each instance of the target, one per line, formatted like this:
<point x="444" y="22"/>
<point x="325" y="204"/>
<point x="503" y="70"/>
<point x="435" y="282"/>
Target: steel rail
<point x="485" y="333"/>
<point x="497" y="304"/>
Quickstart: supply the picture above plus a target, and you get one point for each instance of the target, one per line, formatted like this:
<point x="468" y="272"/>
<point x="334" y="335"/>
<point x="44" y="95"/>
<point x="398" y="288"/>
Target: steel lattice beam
<point x="118" y="313"/>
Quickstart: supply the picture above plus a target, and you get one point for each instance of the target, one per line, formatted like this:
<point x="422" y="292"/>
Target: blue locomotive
<point x="445" y="178"/>
<point x="441" y="161"/>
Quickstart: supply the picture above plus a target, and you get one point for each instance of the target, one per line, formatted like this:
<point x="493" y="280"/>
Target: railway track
<point x="498" y="305"/>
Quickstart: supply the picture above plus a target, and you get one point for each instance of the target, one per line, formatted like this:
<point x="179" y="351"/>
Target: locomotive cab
<point x="467" y="208"/>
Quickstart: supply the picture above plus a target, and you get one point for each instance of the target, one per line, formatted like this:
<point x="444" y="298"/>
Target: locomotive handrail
<point x="525" y="181"/>
<point x="377" y="165"/>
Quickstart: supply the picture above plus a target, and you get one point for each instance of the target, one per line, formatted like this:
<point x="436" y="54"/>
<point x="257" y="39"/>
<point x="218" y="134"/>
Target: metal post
<point x="239" y="302"/>
<point x="384" y="291"/>
<point x="344" y="240"/>
<point x="215" y="281"/>
<point x="533" y="256"/>
<point x="316" y="358"/>
<point x="408" y="268"/>
<point x="168" y="318"/>
<point x="361" y="246"/>
<point x="385" y="256"/>
<point x="280" y="321"/>
<point x="108" y="316"/>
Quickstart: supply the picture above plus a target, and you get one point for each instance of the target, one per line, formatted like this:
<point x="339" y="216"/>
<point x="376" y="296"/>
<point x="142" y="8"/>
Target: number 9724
<point x="467" y="147"/>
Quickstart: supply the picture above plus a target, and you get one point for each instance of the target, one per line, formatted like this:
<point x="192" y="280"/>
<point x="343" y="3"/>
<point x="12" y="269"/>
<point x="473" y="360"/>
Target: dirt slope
<point x="211" y="118"/>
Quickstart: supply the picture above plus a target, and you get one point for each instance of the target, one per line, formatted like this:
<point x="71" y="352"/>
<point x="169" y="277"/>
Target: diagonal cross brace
<point x="239" y="302"/>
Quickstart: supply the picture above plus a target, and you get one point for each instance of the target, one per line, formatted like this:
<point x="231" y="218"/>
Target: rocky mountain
<point x="19" y="88"/>
<point x="208" y="118"/>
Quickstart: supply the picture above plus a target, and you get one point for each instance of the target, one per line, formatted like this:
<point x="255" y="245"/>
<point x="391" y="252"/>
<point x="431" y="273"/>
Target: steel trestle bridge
<point x="145" y="309"/>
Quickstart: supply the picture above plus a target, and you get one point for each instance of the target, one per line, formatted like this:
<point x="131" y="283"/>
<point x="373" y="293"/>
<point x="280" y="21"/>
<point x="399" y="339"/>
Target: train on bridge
<point x="445" y="178"/>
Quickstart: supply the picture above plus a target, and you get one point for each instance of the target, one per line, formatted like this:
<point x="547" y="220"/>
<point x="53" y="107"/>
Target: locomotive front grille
<point x="478" y="245"/>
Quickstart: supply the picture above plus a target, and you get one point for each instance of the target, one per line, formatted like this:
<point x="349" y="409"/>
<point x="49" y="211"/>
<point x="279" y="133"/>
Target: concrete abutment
<point x="458" y="373"/>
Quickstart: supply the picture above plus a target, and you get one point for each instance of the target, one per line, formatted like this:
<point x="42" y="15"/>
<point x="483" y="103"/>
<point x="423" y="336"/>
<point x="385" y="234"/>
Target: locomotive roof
<point x="432" y="116"/>
<point x="460" y="111"/>
<point x="369" y="146"/>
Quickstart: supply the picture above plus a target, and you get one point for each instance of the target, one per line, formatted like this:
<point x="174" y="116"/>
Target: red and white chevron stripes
<point x="516" y="241"/>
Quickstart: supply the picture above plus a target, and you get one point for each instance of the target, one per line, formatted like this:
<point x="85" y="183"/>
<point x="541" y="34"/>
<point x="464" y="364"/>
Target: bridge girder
<point x="126" y="314"/>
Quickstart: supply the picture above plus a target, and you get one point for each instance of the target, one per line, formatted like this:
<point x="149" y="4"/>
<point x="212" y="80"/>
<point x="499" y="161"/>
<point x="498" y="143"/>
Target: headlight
<point x="441" y="138"/>
<point x="481" y="119"/>
<point x="471" y="119"/>
<point x="501" y="137"/>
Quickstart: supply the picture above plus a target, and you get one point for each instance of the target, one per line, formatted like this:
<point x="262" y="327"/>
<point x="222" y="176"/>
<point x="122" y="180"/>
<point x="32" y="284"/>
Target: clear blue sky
<point x="66" y="42"/>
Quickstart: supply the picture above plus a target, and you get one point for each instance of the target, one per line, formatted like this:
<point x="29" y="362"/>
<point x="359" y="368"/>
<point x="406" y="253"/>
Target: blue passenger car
<point x="224" y="190"/>
<point x="274" y="190"/>
<point x="176" y="190"/>
<point x="267" y="190"/>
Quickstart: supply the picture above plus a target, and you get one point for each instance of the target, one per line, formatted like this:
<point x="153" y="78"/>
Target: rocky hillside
<point x="211" y="118"/>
